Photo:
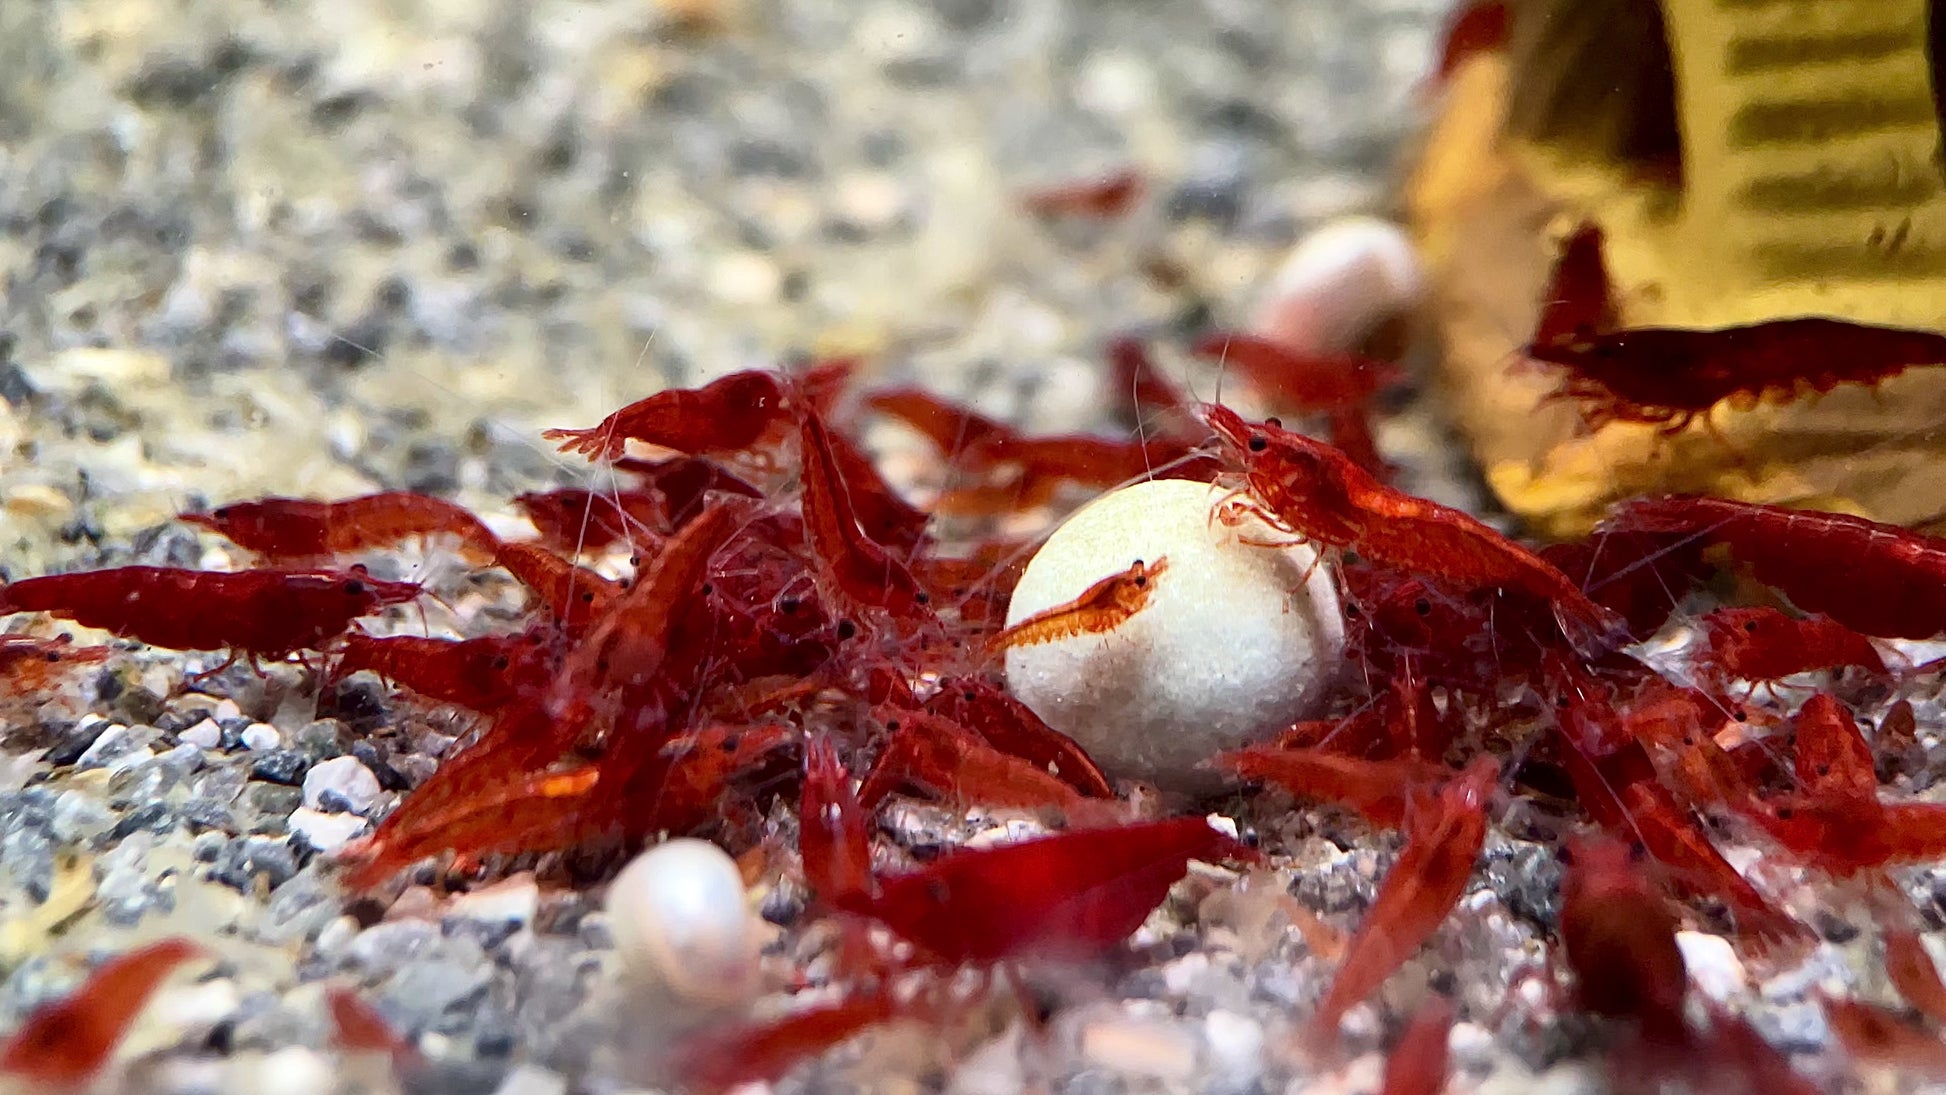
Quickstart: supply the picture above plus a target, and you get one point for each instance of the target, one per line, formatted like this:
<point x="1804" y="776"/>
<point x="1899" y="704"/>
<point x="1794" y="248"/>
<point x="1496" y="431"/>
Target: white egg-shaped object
<point x="682" y="923"/>
<point x="1340" y="283"/>
<point x="1235" y="641"/>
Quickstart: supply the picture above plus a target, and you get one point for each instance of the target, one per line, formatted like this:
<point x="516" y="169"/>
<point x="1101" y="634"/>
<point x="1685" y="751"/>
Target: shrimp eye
<point x="922" y="597"/>
<point x="788" y="605"/>
<point x="1258" y="442"/>
<point x="1785" y="813"/>
<point x="1750" y="626"/>
<point x="1274" y="423"/>
<point x="355" y="587"/>
<point x="502" y="662"/>
<point x="892" y="725"/>
<point x="846" y="629"/>
<point x="1422" y="606"/>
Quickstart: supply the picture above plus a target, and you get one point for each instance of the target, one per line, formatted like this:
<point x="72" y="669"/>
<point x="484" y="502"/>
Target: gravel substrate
<point x="326" y="248"/>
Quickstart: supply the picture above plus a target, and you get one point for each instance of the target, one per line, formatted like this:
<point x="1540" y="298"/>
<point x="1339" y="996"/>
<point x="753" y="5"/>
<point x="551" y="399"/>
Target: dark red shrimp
<point x="684" y="482"/>
<point x="881" y="514"/>
<point x="861" y="569"/>
<point x="1870" y="1034"/>
<point x="480" y="674"/>
<point x="1874" y="578"/>
<point x="265" y="613"/>
<point x="65" y="1043"/>
<point x="1580" y="301"/>
<point x="1619" y="935"/>
<point x="1069" y="897"/>
<point x="1375" y="790"/>
<point x="729" y="415"/>
<point x="29" y="665"/>
<point x="1418" y="1064"/>
<point x="1443" y="838"/>
<point x="1011" y="727"/>
<point x="947" y="761"/>
<point x="724" y="1058"/>
<point x="573" y="520"/>
<point x="1667" y="377"/>
<point x="832" y="840"/>
<point x="1307" y="488"/>
<point x="283" y="530"/>
<point x="1104" y="197"/>
<point x="1299" y="381"/>
<point x="1832" y="757"/>
<point x="1479" y="27"/>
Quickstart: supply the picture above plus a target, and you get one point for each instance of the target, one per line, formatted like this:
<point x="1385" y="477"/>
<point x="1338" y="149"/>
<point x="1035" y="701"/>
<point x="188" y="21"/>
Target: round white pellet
<point x="1236" y="641"/>
<point x="1339" y="283"/>
<point x="681" y="923"/>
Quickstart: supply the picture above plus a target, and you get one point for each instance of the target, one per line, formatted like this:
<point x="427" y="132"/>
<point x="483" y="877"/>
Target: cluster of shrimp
<point x="792" y="625"/>
<point x="791" y="615"/>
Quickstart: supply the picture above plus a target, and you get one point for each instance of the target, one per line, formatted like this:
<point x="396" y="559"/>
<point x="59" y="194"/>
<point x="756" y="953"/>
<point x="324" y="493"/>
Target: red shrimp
<point x="574" y="597"/>
<point x="1874" y="1035"/>
<point x="701" y="765"/>
<point x="65" y="1043"/>
<point x="722" y="1059"/>
<point x="1418" y="1064"/>
<point x="1909" y="966"/>
<point x="955" y="764"/>
<point x="1667" y="377"/>
<point x="1763" y="644"/>
<point x="1874" y="578"/>
<point x="1619" y="935"/>
<point x="957" y="432"/>
<point x="1479" y="27"/>
<point x="573" y="520"/>
<point x="1071" y="897"/>
<point x="881" y="514"/>
<point x="1012" y="727"/>
<point x="1832" y="756"/>
<point x="1134" y="378"/>
<point x="1580" y="302"/>
<point x="732" y="414"/>
<point x="357" y="1027"/>
<point x="1300" y="381"/>
<point x="286" y="530"/>
<point x="1312" y="490"/>
<point x="28" y="666"/>
<point x="683" y="482"/>
<point x="1443" y="838"/>
<point x="832" y="840"/>
<point x="860" y="568"/>
<point x="266" y="613"/>
<point x="1376" y="790"/>
<point x="1101" y="607"/>
<point x="1102" y="198"/>
<point x="480" y="674"/>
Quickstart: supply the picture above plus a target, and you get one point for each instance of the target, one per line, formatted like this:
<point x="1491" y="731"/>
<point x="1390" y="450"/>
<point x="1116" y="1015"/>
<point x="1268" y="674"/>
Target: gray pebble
<point x="244" y="861"/>
<point x="79" y="818"/>
<point x="260" y="736"/>
<point x="112" y="743"/>
<point x="286" y="766"/>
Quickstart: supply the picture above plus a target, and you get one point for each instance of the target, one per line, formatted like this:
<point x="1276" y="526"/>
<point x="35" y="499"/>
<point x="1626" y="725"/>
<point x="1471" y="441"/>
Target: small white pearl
<point x="1340" y="282"/>
<point x="1235" y="641"/>
<point x="681" y="923"/>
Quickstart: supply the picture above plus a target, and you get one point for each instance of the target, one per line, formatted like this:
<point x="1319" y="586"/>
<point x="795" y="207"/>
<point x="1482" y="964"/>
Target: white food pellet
<point x="1340" y="282"/>
<point x="681" y="923"/>
<point x="1236" y="640"/>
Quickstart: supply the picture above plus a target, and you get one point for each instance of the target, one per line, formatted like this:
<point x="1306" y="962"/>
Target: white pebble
<point x="325" y="832"/>
<point x="1236" y="1045"/>
<point x="1341" y="282"/>
<point x="226" y="709"/>
<point x="1140" y="1047"/>
<point x="348" y="777"/>
<point x="681" y="923"/>
<point x="1712" y="963"/>
<point x="204" y="735"/>
<point x="532" y="1079"/>
<point x="1235" y="641"/>
<point x="260" y="736"/>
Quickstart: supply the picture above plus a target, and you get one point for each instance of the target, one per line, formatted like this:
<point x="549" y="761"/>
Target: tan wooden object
<point x="1810" y="187"/>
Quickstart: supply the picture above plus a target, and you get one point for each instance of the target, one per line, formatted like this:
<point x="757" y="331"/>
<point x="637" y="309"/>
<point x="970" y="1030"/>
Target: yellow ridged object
<point x="1747" y="160"/>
